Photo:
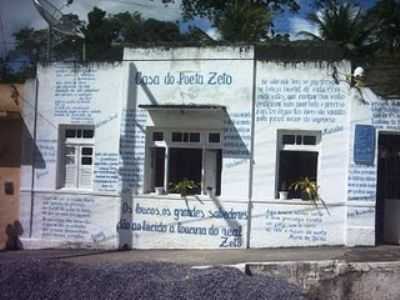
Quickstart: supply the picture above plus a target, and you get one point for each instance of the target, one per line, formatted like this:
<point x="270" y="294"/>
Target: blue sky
<point x="16" y="14"/>
<point x="287" y="22"/>
<point x="293" y="23"/>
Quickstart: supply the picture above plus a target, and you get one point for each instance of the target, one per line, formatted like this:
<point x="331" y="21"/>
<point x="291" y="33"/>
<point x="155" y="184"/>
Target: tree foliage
<point x="385" y="16"/>
<point x="132" y="28"/>
<point x="99" y="34"/>
<point x="342" y="22"/>
<point x="102" y="33"/>
<point x="244" y="22"/>
<point x="32" y="43"/>
<point x="238" y="20"/>
<point x="30" y="48"/>
<point x="214" y="9"/>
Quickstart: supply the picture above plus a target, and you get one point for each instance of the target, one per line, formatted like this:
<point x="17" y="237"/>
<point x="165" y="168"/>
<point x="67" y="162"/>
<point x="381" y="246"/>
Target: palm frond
<point x="342" y="22"/>
<point x="309" y="35"/>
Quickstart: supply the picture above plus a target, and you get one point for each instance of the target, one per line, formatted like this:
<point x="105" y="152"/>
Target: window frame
<point x="296" y="148"/>
<point x="168" y="143"/>
<point x="78" y="143"/>
<point x="214" y="143"/>
<point x="183" y="132"/>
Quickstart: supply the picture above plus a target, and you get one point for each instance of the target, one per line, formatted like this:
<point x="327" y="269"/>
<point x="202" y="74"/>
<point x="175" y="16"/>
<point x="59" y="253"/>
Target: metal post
<point x="49" y="43"/>
<point x="251" y="169"/>
<point x="166" y="170"/>
<point x="84" y="50"/>
<point x="34" y="157"/>
<point x="203" y="171"/>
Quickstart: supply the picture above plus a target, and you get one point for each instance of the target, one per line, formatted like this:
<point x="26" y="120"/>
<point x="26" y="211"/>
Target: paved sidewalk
<point x="213" y="257"/>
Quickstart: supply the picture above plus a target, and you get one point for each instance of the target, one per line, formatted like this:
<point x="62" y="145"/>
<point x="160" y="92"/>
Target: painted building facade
<point x="11" y="131"/>
<point x="114" y="140"/>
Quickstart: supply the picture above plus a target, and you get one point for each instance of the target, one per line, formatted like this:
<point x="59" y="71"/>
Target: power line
<point x="169" y="12"/>
<point x="129" y="3"/>
<point x="10" y="61"/>
<point x="133" y="3"/>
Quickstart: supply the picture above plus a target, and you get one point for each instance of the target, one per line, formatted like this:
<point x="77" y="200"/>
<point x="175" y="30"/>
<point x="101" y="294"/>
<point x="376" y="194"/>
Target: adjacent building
<point x="11" y="130"/>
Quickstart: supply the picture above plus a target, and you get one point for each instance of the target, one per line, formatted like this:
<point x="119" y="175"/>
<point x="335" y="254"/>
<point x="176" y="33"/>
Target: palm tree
<point x="342" y="22"/>
<point x="244" y="22"/>
<point x="386" y="14"/>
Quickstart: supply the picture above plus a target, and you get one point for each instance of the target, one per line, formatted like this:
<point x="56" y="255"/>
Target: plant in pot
<point x="307" y="188"/>
<point x="184" y="187"/>
<point x="283" y="191"/>
<point x="159" y="190"/>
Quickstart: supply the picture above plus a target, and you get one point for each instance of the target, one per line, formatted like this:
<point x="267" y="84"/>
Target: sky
<point x="16" y="14"/>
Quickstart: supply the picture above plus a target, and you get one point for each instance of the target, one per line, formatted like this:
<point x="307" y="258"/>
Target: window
<point x="298" y="139"/>
<point x="214" y="138"/>
<point x="185" y="137"/>
<point x="78" y="157"/>
<point x="192" y="155"/>
<point x="158" y="136"/>
<point x="297" y="158"/>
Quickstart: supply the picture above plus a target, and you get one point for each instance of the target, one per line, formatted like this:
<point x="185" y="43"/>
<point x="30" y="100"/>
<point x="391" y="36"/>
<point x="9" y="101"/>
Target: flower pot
<point x="210" y="192"/>
<point x="283" y="195"/>
<point x="159" y="190"/>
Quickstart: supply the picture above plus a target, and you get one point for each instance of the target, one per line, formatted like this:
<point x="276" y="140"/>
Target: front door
<point x="387" y="222"/>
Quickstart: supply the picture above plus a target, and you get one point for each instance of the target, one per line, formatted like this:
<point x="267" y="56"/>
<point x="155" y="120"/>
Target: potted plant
<point x="159" y="190"/>
<point x="283" y="192"/>
<point x="184" y="187"/>
<point x="307" y="188"/>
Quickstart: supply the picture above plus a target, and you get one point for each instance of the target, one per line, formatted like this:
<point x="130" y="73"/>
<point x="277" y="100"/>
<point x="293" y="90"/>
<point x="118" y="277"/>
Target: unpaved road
<point x="35" y="278"/>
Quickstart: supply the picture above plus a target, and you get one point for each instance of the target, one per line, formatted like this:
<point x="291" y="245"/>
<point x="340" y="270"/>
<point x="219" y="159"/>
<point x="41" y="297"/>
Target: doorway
<point x="387" y="217"/>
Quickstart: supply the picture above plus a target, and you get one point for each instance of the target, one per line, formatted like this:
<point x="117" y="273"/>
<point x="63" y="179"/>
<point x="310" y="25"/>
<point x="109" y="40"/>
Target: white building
<point x="241" y="122"/>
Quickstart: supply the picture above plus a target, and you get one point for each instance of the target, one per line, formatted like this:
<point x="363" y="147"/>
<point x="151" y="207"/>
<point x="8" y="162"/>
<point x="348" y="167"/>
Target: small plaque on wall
<point x="364" y="144"/>
<point x="9" y="188"/>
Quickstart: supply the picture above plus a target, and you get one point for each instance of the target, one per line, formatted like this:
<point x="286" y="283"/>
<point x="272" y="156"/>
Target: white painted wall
<point x="366" y="109"/>
<point x="70" y="94"/>
<point x="172" y="222"/>
<point x="117" y="214"/>
<point x="74" y="220"/>
<point x="302" y="96"/>
<point x="282" y="104"/>
<point x="296" y="223"/>
<point x="221" y="76"/>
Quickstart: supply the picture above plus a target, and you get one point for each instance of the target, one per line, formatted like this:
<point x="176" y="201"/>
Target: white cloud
<point x="149" y="9"/>
<point x="297" y="24"/>
<point x="213" y="33"/>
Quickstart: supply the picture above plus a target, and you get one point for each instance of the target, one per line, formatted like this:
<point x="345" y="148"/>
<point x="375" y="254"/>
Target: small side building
<point x="11" y="125"/>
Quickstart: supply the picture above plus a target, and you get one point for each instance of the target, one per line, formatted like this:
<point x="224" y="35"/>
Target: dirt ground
<point x="33" y="278"/>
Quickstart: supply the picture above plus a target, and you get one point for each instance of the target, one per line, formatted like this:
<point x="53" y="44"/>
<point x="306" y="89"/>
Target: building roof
<point x="284" y="51"/>
<point x="300" y="51"/>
